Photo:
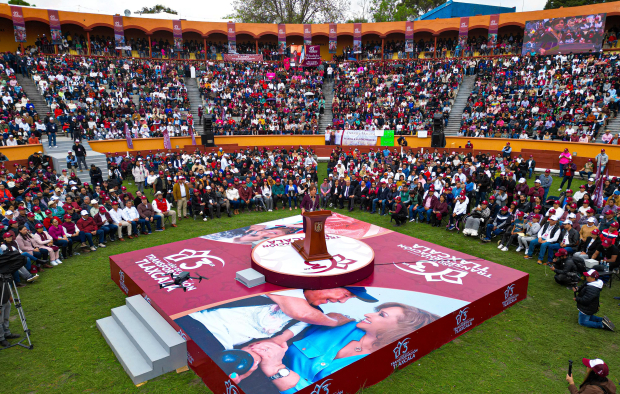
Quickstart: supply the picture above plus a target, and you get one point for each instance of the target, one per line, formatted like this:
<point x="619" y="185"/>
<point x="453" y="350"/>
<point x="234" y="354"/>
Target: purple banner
<point x="56" y="33"/>
<point x="598" y="198"/>
<point x="281" y="38"/>
<point x="167" y="144"/>
<point x="191" y="132"/>
<point x="357" y="38"/>
<point x="333" y="38"/>
<point x="177" y="34"/>
<point x="119" y="31"/>
<point x="493" y="28"/>
<point x="232" y="37"/>
<point x="463" y="32"/>
<point x="128" y="136"/>
<point x="409" y="36"/>
<point x="242" y="58"/>
<point x="312" y="56"/>
<point x="19" y="25"/>
<point x="307" y="34"/>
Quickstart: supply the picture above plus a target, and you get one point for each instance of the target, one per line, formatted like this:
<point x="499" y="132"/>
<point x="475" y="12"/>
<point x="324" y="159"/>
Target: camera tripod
<point x="6" y="281"/>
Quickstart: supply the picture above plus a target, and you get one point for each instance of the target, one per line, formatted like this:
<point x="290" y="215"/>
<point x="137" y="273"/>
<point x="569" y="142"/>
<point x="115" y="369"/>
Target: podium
<point x="313" y="246"/>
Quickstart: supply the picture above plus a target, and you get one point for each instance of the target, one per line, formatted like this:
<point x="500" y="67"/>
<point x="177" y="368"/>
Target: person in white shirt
<point x="132" y="216"/>
<point x="548" y="234"/>
<point x="119" y="220"/>
<point x="11" y="141"/>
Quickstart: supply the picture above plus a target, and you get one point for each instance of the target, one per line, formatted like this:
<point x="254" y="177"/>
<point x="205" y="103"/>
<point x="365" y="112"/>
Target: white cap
<point x="94" y="202"/>
<point x="157" y="193"/>
<point x="9" y="212"/>
<point x="572" y="216"/>
<point x="521" y="180"/>
<point x="554" y="217"/>
<point x="591" y="179"/>
<point x="567" y="222"/>
<point x="84" y="212"/>
<point x="537" y="181"/>
<point x="69" y="151"/>
<point x="208" y="187"/>
<point x="591" y="219"/>
<point x="73" y="188"/>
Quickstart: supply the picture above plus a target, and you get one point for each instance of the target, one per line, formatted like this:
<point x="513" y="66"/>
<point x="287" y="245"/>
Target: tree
<point x="21" y="2"/>
<point x="289" y="11"/>
<point x="401" y="10"/>
<point x="363" y="15"/>
<point x="551" y="4"/>
<point x="157" y="10"/>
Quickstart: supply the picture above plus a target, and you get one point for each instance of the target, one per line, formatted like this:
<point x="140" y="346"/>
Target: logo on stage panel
<point x="318" y="227"/>
<point x="402" y="354"/>
<point x="462" y="322"/>
<point x="440" y="266"/>
<point x="201" y="257"/>
<point x="121" y="282"/>
<point x="337" y="261"/>
<point x="509" y="296"/>
<point x="323" y="388"/>
<point x="231" y="388"/>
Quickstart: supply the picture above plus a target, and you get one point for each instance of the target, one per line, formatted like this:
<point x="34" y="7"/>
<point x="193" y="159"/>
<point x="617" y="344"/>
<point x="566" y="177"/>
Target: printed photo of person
<point x="286" y="341"/>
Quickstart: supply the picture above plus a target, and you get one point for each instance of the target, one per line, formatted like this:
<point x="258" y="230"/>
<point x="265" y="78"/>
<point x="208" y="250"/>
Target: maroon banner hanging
<point x="281" y="38"/>
<point x="19" y="25"/>
<point x="177" y="34"/>
<point x="56" y="33"/>
<point x="119" y="32"/>
<point x="493" y="28"/>
<point x="128" y="137"/>
<point x="312" y="56"/>
<point x="408" y="36"/>
<point x="333" y="38"/>
<point x="191" y="132"/>
<point x="357" y="38"/>
<point x="232" y="38"/>
<point x="463" y="31"/>
<point x="167" y="144"/>
<point x="308" y="34"/>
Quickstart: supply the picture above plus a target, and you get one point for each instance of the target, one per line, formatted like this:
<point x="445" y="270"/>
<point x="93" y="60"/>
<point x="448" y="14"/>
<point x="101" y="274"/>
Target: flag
<point x="302" y="57"/>
<point x="598" y="197"/>
<point x="191" y="132"/>
<point x="128" y="136"/>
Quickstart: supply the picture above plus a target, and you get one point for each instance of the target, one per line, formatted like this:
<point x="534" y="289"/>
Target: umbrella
<point x="353" y="59"/>
<point x="309" y="94"/>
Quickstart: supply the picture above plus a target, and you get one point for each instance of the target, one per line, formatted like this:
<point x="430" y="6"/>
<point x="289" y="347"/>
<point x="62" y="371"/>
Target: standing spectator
<point x="564" y="158"/>
<point x="140" y="173"/>
<point x="80" y="153"/>
<point x="587" y="297"/>
<point x="601" y="161"/>
<point x="180" y="193"/>
<point x="569" y="172"/>
<point x="51" y="130"/>
<point x="545" y="183"/>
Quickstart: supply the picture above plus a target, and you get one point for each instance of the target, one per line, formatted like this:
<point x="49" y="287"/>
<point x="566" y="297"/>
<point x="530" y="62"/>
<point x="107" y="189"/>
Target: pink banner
<point x="177" y="33"/>
<point x="493" y="28"/>
<point x="128" y="137"/>
<point x="333" y="38"/>
<point x="242" y="58"/>
<point x="167" y="144"/>
<point x="19" y="25"/>
<point x="409" y="37"/>
<point x="55" y="30"/>
<point x="232" y="37"/>
<point x="463" y="32"/>
<point x="312" y="56"/>
<point x="307" y="34"/>
<point x="281" y="38"/>
<point x="119" y="31"/>
<point x="357" y="38"/>
<point x="191" y="133"/>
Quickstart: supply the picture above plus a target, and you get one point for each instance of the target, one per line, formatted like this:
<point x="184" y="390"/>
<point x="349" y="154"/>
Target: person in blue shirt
<point x="324" y="350"/>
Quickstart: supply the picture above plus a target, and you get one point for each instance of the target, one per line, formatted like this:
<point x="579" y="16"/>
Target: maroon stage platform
<point x="456" y="290"/>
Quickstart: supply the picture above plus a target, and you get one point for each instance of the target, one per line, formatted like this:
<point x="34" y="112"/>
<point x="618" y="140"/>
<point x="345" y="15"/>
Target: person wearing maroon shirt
<point x="257" y="192"/>
<point x="245" y="194"/>
<point x="536" y="191"/>
<point x="88" y="228"/>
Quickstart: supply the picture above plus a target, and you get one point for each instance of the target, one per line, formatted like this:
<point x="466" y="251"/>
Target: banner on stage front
<point x="359" y="137"/>
<point x="119" y="31"/>
<point x="308" y="34"/>
<point x="232" y="38"/>
<point x="177" y="34"/>
<point x="242" y="58"/>
<point x="408" y="36"/>
<point x="19" y="25"/>
<point x="357" y="38"/>
<point x="281" y="38"/>
<point x="56" y="33"/>
<point x="333" y="38"/>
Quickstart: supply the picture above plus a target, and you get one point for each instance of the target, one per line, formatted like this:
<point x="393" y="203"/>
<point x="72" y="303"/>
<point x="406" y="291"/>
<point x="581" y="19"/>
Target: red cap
<point x="103" y="210"/>
<point x="236" y="179"/>
<point x="547" y="171"/>
<point x="161" y="173"/>
<point x="484" y="202"/>
<point x="520" y="214"/>
<point x="30" y="215"/>
<point x="47" y="211"/>
<point x="561" y="252"/>
<point x="569" y="191"/>
<point x="67" y="216"/>
<point x="504" y="208"/>
<point x="538" y="207"/>
<point x="607" y="243"/>
<point x="614" y="224"/>
<point x="8" y="234"/>
<point x="123" y="188"/>
<point x="573" y="205"/>
<point x="38" y="225"/>
<point x="597" y="365"/>
<point x="596" y="232"/>
<point x="592" y="273"/>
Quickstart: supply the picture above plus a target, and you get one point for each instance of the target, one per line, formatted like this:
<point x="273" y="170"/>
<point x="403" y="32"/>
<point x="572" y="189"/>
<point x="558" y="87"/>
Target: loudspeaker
<point x="206" y="137"/>
<point x="207" y="140"/>
<point x="438" y="139"/>
<point x="207" y="123"/>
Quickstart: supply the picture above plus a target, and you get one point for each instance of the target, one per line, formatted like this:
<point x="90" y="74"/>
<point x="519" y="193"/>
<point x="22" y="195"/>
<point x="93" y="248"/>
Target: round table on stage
<point x="352" y="260"/>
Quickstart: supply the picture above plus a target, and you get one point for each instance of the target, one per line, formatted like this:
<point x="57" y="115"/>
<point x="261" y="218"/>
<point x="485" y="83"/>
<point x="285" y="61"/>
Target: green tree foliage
<point x="289" y="11"/>
<point x="551" y="4"/>
<point x="401" y="10"/>
<point x="157" y="10"/>
<point x="21" y="2"/>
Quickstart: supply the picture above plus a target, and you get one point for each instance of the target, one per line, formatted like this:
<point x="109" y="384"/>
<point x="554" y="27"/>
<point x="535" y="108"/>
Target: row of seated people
<point x="562" y="97"/>
<point x="401" y="97"/>
<point x="91" y="98"/>
<point x="257" y="98"/>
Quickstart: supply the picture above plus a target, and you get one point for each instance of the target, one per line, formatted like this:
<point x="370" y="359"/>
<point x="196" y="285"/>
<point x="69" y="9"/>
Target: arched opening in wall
<point x="612" y="32"/>
<point x="446" y="44"/>
<point x="138" y="40"/>
<point x="193" y="46"/>
<point x="345" y="47"/>
<point x="37" y="33"/>
<point x="102" y="41"/>
<point x="246" y="44"/>
<point x="268" y="46"/>
<point x="7" y="38"/>
<point x="74" y="39"/>
<point x="424" y="44"/>
<point x="476" y="42"/>
<point x="394" y="47"/>
<point x="371" y="47"/>
<point x="217" y="43"/>
<point x="509" y="40"/>
<point x="162" y="45"/>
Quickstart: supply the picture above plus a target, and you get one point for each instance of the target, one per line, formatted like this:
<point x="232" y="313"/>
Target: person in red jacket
<point x="88" y="228"/>
<point x="104" y="222"/>
<point x="47" y="222"/>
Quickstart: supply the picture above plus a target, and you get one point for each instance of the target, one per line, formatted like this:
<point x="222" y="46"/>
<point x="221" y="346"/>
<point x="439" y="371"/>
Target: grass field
<point x="523" y="350"/>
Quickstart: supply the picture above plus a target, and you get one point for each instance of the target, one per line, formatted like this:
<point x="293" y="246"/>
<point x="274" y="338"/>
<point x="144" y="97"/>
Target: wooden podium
<point x="313" y="246"/>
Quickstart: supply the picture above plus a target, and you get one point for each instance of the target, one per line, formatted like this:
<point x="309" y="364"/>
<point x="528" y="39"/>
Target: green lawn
<point x="523" y="350"/>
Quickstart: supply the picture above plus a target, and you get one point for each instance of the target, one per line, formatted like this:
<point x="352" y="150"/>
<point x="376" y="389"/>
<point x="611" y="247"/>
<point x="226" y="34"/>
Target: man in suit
<point x="381" y="196"/>
<point x="346" y="194"/>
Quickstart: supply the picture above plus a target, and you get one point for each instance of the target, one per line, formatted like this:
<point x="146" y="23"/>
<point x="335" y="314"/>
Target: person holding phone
<point x="596" y="380"/>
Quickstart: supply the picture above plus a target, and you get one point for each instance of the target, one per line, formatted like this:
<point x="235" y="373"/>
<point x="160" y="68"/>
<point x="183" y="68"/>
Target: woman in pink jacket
<point x="62" y="238"/>
<point x="565" y="157"/>
<point x="43" y="240"/>
<point x="26" y="245"/>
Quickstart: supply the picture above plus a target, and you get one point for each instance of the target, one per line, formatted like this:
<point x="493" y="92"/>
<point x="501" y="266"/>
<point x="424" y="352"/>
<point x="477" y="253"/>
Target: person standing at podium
<point x="310" y="203"/>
